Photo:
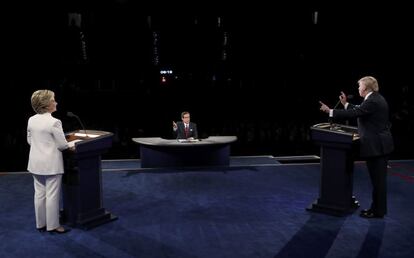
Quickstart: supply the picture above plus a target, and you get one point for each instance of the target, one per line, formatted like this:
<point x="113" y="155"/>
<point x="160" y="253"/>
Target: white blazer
<point x="47" y="141"/>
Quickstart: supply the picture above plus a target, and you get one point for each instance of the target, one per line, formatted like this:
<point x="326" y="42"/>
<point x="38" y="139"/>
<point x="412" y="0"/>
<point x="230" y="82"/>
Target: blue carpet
<point x="221" y="212"/>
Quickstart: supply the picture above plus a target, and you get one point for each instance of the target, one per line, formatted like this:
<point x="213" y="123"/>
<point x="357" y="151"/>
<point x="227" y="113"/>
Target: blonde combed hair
<point x="370" y="83"/>
<point x="41" y="100"/>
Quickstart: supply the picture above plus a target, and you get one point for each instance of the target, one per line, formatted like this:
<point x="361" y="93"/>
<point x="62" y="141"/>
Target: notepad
<point x="87" y="135"/>
<point x="188" y="140"/>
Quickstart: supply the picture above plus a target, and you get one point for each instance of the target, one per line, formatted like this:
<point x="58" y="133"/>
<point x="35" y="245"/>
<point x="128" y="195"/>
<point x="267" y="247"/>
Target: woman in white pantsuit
<point x="47" y="141"/>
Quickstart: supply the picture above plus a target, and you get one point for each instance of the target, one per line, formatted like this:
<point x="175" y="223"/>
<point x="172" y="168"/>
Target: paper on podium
<point x="72" y="143"/>
<point x="87" y="135"/>
<point x="188" y="140"/>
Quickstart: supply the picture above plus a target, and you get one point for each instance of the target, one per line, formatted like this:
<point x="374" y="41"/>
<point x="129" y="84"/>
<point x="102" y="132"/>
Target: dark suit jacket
<point x="373" y="125"/>
<point x="180" y="133"/>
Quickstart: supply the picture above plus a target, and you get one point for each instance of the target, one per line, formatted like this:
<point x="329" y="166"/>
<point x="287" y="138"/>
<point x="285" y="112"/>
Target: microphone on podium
<point x="70" y="114"/>
<point x="339" y="101"/>
<point x="330" y="119"/>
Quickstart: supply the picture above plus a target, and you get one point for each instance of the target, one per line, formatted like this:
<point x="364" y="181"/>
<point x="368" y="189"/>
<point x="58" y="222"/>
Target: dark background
<point x="258" y="74"/>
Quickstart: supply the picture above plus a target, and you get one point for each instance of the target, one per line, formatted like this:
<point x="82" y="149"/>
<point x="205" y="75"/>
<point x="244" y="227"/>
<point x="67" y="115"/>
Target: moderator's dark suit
<point x="376" y="143"/>
<point x="180" y="133"/>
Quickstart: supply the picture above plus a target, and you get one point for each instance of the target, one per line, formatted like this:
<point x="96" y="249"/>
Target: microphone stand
<point x="336" y="105"/>
<point x="331" y="118"/>
<point x="70" y="114"/>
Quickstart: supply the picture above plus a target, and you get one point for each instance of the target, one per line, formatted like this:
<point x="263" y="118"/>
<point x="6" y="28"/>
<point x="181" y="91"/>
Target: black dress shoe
<point x="42" y="229"/>
<point x="56" y="231"/>
<point x="370" y="215"/>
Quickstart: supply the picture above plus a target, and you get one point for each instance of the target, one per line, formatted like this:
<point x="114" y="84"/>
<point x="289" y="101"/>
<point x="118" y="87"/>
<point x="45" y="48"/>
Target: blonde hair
<point x="370" y="83"/>
<point x="41" y="100"/>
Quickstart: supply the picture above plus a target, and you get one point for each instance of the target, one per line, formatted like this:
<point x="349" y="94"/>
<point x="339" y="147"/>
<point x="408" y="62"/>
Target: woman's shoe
<point x="42" y="229"/>
<point x="59" y="230"/>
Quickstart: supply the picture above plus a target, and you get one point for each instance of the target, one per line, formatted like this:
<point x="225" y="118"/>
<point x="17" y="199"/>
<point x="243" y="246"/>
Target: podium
<point x="82" y="180"/>
<point x="338" y="143"/>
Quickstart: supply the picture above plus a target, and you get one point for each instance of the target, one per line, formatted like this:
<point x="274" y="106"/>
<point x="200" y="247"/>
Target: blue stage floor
<point x="253" y="208"/>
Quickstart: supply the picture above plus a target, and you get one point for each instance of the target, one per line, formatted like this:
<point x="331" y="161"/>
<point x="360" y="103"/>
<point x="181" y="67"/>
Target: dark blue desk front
<point x="159" y="152"/>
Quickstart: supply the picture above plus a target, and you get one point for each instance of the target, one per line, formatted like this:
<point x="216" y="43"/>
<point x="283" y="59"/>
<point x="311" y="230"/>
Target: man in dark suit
<point x="185" y="129"/>
<point x="376" y="141"/>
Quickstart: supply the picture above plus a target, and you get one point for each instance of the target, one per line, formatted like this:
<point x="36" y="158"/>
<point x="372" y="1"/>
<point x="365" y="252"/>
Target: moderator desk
<point x="159" y="152"/>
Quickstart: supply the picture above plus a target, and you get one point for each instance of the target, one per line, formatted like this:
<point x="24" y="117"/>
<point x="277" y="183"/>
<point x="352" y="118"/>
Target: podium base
<point x="334" y="210"/>
<point x="90" y="222"/>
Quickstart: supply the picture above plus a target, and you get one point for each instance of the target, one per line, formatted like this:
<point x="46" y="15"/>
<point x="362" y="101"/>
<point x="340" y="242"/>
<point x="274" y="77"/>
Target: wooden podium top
<point x="85" y="134"/>
<point x="87" y="137"/>
<point x="337" y="129"/>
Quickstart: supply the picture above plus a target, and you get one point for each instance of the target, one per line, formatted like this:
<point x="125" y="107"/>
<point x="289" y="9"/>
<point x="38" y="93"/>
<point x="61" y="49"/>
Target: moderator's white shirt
<point x="47" y="141"/>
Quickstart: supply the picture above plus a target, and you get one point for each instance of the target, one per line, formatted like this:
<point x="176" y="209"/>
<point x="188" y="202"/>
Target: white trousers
<point x="47" y="200"/>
